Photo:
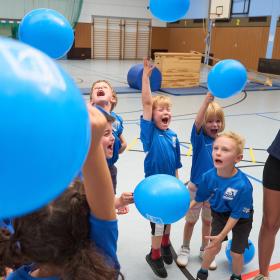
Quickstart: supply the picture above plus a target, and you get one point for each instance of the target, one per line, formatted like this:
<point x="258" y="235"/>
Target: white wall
<point x="117" y="8"/>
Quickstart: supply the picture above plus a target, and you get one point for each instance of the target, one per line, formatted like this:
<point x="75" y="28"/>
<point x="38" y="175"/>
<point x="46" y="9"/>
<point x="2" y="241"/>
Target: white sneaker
<point x="183" y="256"/>
<point x="261" y="277"/>
<point x="213" y="264"/>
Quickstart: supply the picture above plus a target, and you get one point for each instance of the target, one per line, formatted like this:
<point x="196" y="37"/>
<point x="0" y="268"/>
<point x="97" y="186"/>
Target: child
<point x="162" y="157"/>
<point x="208" y="123"/>
<point x="230" y="194"/>
<point x="75" y="236"/>
<point x="107" y="142"/>
<point x="103" y="94"/>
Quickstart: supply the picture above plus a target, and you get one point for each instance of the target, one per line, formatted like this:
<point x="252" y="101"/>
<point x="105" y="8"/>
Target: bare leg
<point x="156" y="242"/>
<point x="237" y="263"/>
<point x="206" y="230"/>
<point x="269" y="228"/>
<point x="188" y="230"/>
<point x="209" y="256"/>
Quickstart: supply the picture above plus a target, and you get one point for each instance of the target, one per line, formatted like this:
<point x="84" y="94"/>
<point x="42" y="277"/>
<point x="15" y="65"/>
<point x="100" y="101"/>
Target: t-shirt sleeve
<point x="120" y="128"/>
<point x="104" y="235"/>
<point x="203" y="193"/>
<point x="146" y="133"/>
<point x="196" y="137"/>
<point x="242" y="203"/>
<point x="178" y="154"/>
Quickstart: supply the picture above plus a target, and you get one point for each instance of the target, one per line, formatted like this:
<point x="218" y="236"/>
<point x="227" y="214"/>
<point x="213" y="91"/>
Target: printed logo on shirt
<point x="115" y="125"/>
<point x="174" y="141"/>
<point x="246" y="210"/>
<point x="230" y="193"/>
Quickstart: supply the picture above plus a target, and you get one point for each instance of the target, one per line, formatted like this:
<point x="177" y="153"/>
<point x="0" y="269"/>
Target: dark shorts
<point x="271" y="174"/>
<point x="240" y="231"/>
<point x="114" y="171"/>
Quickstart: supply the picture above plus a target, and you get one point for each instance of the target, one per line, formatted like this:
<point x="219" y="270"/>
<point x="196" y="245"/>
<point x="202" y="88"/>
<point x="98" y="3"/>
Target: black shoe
<point x="166" y="254"/>
<point x="201" y="276"/>
<point x="235" y="277"/>
<point x="157" y="266"/>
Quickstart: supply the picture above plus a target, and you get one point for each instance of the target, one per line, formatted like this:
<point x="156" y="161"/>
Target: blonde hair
<point x="237" y="138"/>
<point x="114" y="104"/>
<point x="215" y="110"/>
<point x="160" y="100"/>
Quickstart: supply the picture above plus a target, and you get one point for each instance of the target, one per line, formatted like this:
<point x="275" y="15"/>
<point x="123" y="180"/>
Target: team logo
<point x="174" y="141"/>
<point x="230" y="194"/>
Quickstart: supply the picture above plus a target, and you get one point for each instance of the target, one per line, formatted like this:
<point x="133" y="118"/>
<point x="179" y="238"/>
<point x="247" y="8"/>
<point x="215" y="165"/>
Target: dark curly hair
<point x="57" y="236"/>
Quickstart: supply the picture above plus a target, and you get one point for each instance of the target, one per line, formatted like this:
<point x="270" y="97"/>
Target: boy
<point x="103" y="94"/>
<point x="230" y="196"/>
<point x="162" y="149"/>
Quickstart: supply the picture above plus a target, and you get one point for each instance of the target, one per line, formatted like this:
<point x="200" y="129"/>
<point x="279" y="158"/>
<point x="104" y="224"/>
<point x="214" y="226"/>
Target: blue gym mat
<point x="119" y="90"/>
<point x="185" y="91"/>
<point x="254" y="86"/>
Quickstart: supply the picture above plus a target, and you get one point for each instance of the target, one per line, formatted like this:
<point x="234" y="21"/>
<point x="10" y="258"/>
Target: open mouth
<point x="165" y="120"/>
<point x="100" y="93"/>
<point x="214" y="131"/>
<point x="110" y="147"/>
<point x="218" y="161"/>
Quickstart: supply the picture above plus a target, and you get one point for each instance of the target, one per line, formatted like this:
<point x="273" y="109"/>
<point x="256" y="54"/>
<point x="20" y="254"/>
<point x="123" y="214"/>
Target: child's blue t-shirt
<point x="117" y="126"/>
<point x="202" y="160"/>
<point x="104" y="234"/>
<point x="234" y="194"/>
<point x="162" y="149"/>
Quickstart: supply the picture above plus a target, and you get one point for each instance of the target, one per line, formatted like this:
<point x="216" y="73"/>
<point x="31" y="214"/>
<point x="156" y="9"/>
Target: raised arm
<point x="97" y="179"/>
<point x="147" y="101"/>
<point x="202" y="110"/>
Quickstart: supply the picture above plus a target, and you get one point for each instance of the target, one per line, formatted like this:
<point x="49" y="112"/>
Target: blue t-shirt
<point x="202" y="160"/>
<point x="162" y="149"/>
<point x="7" y="224"/>
<point x="274" y="148"/>
<point x="234" y="194"/>
<point x="117" y="126"/>
<point x="103" y="233"/>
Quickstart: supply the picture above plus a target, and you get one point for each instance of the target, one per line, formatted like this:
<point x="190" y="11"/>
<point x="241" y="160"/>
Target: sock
<point x="155" y="254"/>
<point x="204" y="271"/>
<point x="186" y="243"/>
<point x="235" y="277"/>
<point x="165" y="240"/>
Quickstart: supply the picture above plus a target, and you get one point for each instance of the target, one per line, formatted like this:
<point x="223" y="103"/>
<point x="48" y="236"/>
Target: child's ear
<point x="239" y="158"/>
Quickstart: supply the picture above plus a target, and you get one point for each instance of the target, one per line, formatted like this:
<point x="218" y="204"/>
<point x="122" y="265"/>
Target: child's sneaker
<point x="261" y="277"/>
<point x="157" y="266"/>
<point x="201" y="276"/>
<point x="166" y="254"/>
<point x="213" y="264"/>
<point x="183" y="256"/>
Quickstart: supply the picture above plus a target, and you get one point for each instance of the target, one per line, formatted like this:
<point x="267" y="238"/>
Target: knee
<point x="236" y="256"/>
<point x="270" y="225"/>
<point x="206" y="222"/>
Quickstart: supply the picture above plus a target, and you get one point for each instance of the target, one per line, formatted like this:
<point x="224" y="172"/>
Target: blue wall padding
<point x="134" y="77"/>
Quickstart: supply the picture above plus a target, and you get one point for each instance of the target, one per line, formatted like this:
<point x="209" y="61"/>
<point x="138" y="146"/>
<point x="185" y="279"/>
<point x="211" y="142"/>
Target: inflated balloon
<point x="48" y="31"/>
<point x="45" y="129"/>
<point x="162" y="199"/>
<point x="228" y="77"/>
<point x="169" y="10"/>
<point x="248" y="254"/>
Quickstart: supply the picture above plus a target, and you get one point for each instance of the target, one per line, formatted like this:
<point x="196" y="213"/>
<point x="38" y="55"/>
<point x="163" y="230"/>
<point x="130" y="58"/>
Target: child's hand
<point x="209" y="97"/>
<point x="148" y="67"/>
<point x="98" y="123"/>
<point x="214" y="241"/>
<point x="123" y="210"/>
<point x="126" y="198"/>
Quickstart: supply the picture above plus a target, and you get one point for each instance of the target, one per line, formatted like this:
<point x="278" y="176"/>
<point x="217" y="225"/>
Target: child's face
<point x="213" y="126"/>
<point x="107" y="141"/>
<point x="225" y="153"/>
<point x="102" y="94"/>
<point x="162" y="117"/>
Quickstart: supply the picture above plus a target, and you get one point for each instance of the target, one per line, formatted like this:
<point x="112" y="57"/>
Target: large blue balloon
<point x="169" y="10"/>
<point x="45" y="129"/>
<point x="226" y="78"/>
<point x="248" y="254"/>
<point x="48" y="31"/>
<point x="162" y="199"/>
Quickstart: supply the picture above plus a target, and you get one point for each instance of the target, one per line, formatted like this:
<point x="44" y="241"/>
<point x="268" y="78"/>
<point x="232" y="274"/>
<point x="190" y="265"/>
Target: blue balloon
<point x="162" y="199"/>
<point x="248" y="254"/>
<point x="48" y="31"/>
<point x="134" y="77"/>
<point x="228" y="77"/>
<point x="45" y="129"/>
<point x="169" y="10"/>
